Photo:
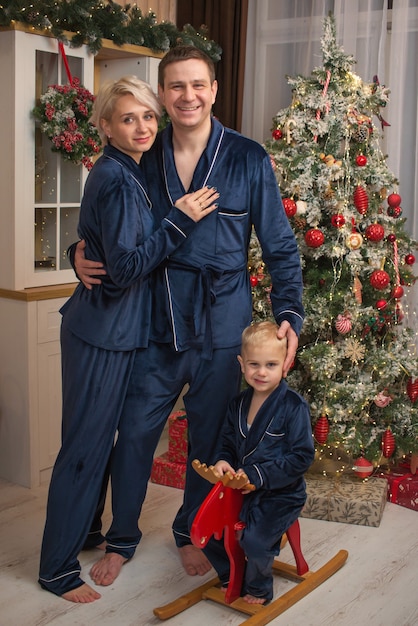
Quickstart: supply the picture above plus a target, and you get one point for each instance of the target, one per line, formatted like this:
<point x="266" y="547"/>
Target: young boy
<point x="267" y="436"/>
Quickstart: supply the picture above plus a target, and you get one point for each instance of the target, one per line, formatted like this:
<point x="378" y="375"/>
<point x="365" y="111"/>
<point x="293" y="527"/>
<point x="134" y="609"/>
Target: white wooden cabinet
<point x="40" y="197"/>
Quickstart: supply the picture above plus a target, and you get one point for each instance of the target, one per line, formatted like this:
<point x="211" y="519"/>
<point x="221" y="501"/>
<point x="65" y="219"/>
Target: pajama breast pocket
<point x="231" y="230"/>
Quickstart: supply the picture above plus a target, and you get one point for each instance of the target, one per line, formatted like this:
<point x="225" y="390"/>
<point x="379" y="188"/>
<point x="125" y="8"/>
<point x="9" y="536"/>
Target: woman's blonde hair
<point x="110" y="92"/>
<point x="261" y="332"/>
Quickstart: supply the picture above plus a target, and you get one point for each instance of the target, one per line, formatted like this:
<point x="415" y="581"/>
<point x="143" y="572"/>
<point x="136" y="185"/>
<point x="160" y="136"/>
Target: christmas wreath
<point x="64" y="115"/>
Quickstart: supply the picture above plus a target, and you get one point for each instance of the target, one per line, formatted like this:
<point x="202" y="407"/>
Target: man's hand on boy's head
<point x="285" y="330"/>
<point x="87" y="271"/>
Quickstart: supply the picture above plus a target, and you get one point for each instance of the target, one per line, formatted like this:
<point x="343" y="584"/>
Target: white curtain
<point x="284" y="39"/>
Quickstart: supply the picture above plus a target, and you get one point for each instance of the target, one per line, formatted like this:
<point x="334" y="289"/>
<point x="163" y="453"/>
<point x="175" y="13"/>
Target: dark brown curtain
<point x="226" y="21"/>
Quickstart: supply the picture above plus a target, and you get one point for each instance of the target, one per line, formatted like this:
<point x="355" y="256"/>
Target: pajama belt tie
<point x="204" y="299"/>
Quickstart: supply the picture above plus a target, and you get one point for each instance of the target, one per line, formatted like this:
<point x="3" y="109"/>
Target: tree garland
<point x="92" y="21"/>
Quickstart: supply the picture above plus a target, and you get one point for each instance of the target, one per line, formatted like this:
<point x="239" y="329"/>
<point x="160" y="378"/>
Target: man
<point x="202" y="299"/>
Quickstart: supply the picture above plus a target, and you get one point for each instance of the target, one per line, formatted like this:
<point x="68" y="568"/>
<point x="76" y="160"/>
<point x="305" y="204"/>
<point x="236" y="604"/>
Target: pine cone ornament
<point x="321" y="429"/>
<point x="361" y="134"/>
<point x="300" y="222"/>
<point x="388" y="443"/>
<point x="361" y="200"/>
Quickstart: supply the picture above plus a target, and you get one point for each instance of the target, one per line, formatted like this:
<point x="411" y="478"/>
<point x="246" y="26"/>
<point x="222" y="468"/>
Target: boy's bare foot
<point x="82" y="594"/>
<point x="253" y="600"/>
<point x="194" y="561"/>
<point x="105" y="571"/>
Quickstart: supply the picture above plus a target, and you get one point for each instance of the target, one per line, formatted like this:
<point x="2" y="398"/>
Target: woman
<point x="103" y="328"/>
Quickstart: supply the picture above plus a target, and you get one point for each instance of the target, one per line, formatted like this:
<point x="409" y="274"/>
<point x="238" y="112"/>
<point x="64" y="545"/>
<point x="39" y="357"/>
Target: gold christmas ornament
<point x="354" y="241"/>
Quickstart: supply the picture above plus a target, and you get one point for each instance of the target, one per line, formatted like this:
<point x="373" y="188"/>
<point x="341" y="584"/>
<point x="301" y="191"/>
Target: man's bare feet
<point x="194" y="561"/>
<point x="82" y="594"/>
<point x="253" y="600"/>
<point x="105" y="571"/>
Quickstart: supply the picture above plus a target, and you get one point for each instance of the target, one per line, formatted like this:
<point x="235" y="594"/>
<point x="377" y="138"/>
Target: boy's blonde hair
<point x="261" y="332"/>
<point x="110" y="92"/>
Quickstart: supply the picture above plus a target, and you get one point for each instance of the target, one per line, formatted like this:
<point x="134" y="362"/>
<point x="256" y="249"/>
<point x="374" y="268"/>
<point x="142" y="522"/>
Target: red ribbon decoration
<point x="65" y="60"/>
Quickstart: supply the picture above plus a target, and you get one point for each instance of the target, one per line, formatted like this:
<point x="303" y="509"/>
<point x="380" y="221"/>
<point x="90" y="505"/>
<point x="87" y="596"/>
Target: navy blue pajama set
<point x="102" y="331"/>
<point x="201" y="304"/>
<point x="274" y="453"/>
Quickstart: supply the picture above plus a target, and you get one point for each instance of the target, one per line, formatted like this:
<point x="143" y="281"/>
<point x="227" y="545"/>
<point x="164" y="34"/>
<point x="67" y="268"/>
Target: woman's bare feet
<point x="253" y="600"/>
<point x="194" y="561"/>
<point x="107" y="569"/>
<point x="82" y="594"/>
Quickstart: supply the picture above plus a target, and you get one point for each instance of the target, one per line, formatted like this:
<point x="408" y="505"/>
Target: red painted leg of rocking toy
<point x="293" y="535"/>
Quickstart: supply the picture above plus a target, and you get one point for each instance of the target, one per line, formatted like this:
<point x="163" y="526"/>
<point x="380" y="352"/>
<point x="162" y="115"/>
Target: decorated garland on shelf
<point x="91" y="21"/>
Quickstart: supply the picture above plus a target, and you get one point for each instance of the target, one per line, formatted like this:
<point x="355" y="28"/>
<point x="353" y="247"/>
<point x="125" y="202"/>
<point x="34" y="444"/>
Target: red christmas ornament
<point x="361" y="201"/>
<point x="397" y="292"/>
<point x="362" y="467"/>
<point x="337" y="220"/>
<point x="409" y="259"/>
<point x="277" y="134"/>
<point x="375" y="232"/>
<point x="321" y="429"/>
<point x="361" y="160"/>
<point x="289" y="207"/>
<point x="379" y="279"/>
<point x="314" y="238"/>
<point x="253" y="280"/>
<point x="381" y="304"/>
<point x="388" y="443"/>
<point x="394" y="199"/>
<point x="391" y="238"/>
<point x="412" y="389"/>
<point x="394" y="211"/>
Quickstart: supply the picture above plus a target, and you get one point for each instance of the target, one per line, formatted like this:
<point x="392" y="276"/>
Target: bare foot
<point x="194" y="561"/>
<point x="82" y="594"/>
<point x="253" y="600"/>
<point x="105" y="571"/>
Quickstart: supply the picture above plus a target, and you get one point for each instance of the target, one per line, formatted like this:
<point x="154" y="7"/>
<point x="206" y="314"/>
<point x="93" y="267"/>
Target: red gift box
<point x="169" y="473"/>
<point x="177" y="437"/>
<point x="402" y="486"/>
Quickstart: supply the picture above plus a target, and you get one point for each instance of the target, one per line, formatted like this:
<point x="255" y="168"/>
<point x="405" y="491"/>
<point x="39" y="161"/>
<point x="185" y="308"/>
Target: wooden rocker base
<point x="260" y="614"/>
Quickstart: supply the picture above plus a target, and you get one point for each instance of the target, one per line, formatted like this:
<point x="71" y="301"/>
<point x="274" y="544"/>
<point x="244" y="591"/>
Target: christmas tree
<point x="356" y="364"/>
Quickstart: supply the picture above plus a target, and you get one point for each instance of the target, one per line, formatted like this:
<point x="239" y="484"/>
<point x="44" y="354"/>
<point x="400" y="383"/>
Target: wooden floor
<point x="378" y="585"/>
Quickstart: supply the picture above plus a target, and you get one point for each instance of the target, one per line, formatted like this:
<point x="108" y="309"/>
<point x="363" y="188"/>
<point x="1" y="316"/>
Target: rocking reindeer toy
<point x="219" y="516"/>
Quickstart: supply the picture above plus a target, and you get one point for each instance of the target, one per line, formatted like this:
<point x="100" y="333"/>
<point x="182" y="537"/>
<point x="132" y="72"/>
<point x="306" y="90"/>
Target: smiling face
<point x="262" y="365"/>
<point x="188" y="93"/>
<point x="132" y="127"/>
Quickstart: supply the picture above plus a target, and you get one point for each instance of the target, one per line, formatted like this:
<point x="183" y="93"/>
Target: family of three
<point x="164" y="297"/>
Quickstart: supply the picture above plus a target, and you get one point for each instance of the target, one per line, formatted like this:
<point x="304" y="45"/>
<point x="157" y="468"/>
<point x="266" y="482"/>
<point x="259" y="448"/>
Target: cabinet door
<point x="49" y="389"/>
